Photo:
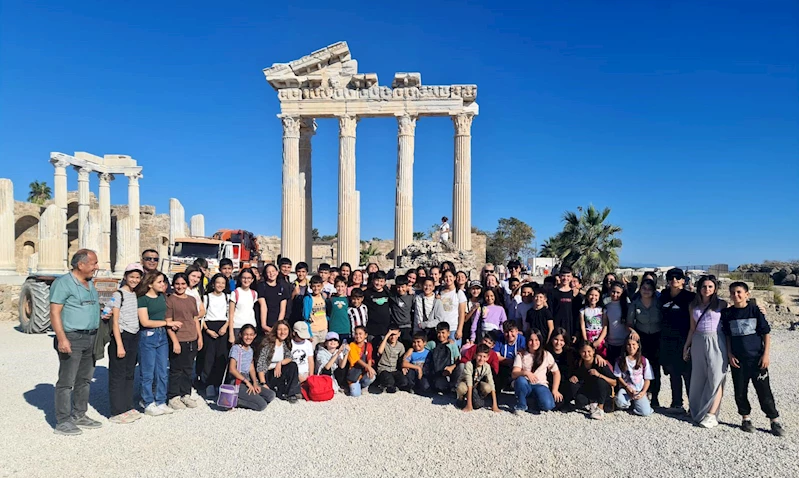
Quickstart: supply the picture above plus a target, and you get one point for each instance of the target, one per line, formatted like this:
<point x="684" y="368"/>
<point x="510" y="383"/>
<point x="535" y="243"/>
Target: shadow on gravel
<point x="98" y="394"/>
<point x="43" y="397"/>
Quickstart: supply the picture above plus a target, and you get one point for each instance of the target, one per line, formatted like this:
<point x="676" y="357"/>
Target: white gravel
<point x="383" y="435"/>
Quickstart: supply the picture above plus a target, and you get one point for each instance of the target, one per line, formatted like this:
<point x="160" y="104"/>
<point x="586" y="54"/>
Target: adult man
<point x="75" y="317"/>
<point x="149" y="260"/>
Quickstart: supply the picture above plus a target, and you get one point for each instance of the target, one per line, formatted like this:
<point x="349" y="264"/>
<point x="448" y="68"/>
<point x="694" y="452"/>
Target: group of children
<point x="553" y="346"/>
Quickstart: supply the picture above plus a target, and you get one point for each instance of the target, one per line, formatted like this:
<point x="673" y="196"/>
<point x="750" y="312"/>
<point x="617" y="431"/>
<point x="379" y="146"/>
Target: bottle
<point x="109" y="306"/>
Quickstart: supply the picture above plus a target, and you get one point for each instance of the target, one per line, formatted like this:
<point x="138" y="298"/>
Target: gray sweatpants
<point x="708" y="372"/>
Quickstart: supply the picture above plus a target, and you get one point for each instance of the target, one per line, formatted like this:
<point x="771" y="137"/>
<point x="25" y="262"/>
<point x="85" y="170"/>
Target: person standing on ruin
<point x="75" y="318"/>
<point x="444" y="229"/>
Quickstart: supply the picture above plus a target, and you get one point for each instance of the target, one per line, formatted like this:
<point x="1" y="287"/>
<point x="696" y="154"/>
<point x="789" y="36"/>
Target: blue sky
<point x="683" y="117"/>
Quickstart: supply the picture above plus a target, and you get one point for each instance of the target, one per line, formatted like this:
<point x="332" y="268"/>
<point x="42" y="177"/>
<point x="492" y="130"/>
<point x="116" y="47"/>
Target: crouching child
<point x="476" y="382"/>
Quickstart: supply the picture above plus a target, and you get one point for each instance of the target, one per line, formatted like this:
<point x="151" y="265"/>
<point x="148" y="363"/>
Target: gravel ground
<point x="380" y="435"/>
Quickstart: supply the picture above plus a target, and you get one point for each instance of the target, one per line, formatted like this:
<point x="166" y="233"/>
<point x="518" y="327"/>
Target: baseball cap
<point x="675" y="273"/>
<point x="301" y="329"/>
<point x="475" y="283"/>
<point x="134" y="267"/>
<point x="332" y="336"/>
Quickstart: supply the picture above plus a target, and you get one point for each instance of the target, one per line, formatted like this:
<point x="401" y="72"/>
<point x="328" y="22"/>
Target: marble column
<point x="127" y="251"/>
<point x="8" y="264"/>
<point x="83" y="203"/>
<point x="177" y="221"/>
<point x="348" y="245"/>
<point x="357" y="228"/>
<point x="462" y="190"/>
<point x="403" y="208"/>
<point x="197" y="226"/>
<point x="52" y="247"/>
<point x="134" y="212"/>
<point x="104" y="248"/>
<point x="92" y="235"/>
<point x="290" y="227"/>
<point x="307" y="131"/>
<point x="60" y="200"/>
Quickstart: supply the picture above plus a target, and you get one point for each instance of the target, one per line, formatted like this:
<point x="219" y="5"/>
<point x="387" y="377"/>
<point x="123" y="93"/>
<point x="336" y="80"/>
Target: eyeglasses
<point x="150" y="259"/>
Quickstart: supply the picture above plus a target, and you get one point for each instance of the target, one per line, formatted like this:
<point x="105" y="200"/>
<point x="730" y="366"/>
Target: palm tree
<point x="367" y="254"/>
<point x="39" y="192"/>
<point x="587" y="243"/>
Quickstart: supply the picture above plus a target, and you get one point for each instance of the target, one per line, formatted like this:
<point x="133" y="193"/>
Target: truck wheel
<point x="34" y="307"/>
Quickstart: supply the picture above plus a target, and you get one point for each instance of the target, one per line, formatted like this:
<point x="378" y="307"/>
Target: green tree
<point x="328" y="238"/>
<point x="587" y="243"/>
<point x="418" y="236"/>
<point x="39" y="192"/>
<point x="513" y="237"/>
<point x="315" y="234"/>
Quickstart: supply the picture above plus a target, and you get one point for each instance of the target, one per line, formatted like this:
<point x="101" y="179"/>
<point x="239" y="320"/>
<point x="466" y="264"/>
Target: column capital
<point x="346" y="125"/>
<point x="83" y="173"/>
<point x="308" y="126"/>
<point x="105" y="177"/>
<point x="291" y="126"/>
<point x="463" y="123"/>
<point x="59" y="162"/>
<point x="406" y="125"/>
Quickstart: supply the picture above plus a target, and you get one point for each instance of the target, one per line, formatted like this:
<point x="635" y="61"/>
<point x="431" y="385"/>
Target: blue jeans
<point x="544" y="401"/>
<point x="154" y="362"/>
<point x="640" y="406"/>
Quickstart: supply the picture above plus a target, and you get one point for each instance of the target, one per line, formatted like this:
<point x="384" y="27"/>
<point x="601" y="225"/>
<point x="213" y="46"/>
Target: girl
<point x="123" y="349"/>
<point x="275" y="296"/>
<point x="614" y="321"/>
<point x="411" y="275"/>
<point x="488" y="317"/>
<point x="345" y="270"/>
<point x="529" y="373"/>
<point x="461" y="279"/>
<point x="196" y="289"/>
<point x="356" y="281"/>
<point x="475" y="294"/>
<point x="591" y="384"/>
<point x="427" y="308"/>
<point x="591" y="321"/>
<point x="453" y="305"/>
<point x="331" y="359"/>
<point x="706" y="348"/>
<point x="609" y="279"/>
<point x="645" y="318"/>
<point x="493" y="283"/>
<point x="214" y="326"/>
<point x="242" y="301"/>
<point x="180" y="307"/>
<point x="275" y="367"/>
<point x="252" y="394"/>
<point x="153" y="344"/>
<point x="564" y="357"/>
<point x="634" y="374"/>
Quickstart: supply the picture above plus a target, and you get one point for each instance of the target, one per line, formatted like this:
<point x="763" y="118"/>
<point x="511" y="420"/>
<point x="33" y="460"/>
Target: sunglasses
<point x="676" y="278"/>
<point x="150" y="259"/>
<point x="489" y="271"/>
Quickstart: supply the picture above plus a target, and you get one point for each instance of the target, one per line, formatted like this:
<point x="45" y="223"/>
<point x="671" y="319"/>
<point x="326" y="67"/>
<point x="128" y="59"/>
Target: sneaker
<point x="391" y="389"/>
<point x="175" y="403"/>
<point x="376" y="389"/>
<point x="709" y="421"/>
<point x="292" y="399"/>
<point x="746" y="425"/>
<point x="518" y="410"/>
<point x="166" y="408"/>
<point x="153" y="410"/>
<point x="675" y="409"/>
<point x="210" y="391"/>
<point x="776" y="429"/>
<point x="188" y="401"/>
<point x="654" y="403"/>
<point x="133" y="415"/>
<point x="67" y="428"/>
<point x="86" y="422"/>
<point x="122" y="419"/>
<point x="597" y="413"/>
<point x="142" y="405"/>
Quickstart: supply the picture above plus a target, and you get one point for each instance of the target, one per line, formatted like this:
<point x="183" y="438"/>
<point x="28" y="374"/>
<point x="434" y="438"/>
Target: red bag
<point x="318" y="388"/>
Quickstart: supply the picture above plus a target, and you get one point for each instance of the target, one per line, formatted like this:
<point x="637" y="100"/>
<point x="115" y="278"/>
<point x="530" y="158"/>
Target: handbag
<point x="229" y="393"/>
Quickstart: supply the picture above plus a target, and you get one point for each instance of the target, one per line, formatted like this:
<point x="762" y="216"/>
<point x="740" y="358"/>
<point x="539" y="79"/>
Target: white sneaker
<point x="709" y="421"/>
<point x="165" y="408"/>
<point x="210" y="391"/>
<point x="188" y="401"/>
<point x="153" y="410"/>
<point x="598" y="414"/>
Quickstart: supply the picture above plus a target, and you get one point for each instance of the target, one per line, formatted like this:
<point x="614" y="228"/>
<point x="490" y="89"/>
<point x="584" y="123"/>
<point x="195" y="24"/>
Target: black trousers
<point x="387" y="379"/>
<point x="750" y="370"/>
<point x="650" y="348"/>
<point x="121" y="373"/>
<point x="502" y="379"/>
<point x="287" y="384"/>
<point x="679" y="372"/>
<point x="413" y="382"/>
<point x="591" y="390"/>
<point x="215" y="355"/>
<point x="436" y="383"/>
<point x="181" y="369"/>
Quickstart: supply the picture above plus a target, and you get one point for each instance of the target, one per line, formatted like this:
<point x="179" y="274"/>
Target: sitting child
<point x="476" y="382"/>
<point x="331" y="359"/>
<point x="530" y="369"/>
<point x="441" y="362"/>
<point x="468" y="352"/>
<point x="634" y="374"/>
<point x="390" y="351"/>
<point x="302" y="350"/>
<point x="509" y="344"/>
<point x="591" y="384"/>
<point x="361" y="372"/>
<point x="413" y="363"/>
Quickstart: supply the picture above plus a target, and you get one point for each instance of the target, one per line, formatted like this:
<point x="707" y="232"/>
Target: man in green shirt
<point x="75" y="317"/>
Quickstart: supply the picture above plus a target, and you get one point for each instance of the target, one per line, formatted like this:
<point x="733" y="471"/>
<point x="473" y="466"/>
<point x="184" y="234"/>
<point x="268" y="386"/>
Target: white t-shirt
<point x="444" y="229"/>
<point x="196" y="294"/>
<point x="450" y="300"/>
<point x="300" y="353"/>
<point x="216" y="308"/>
<point x="328" y="289"/>
<point x="244" y="313"/>
<point x="276" y="357"/>
<point x="632" y="376"/>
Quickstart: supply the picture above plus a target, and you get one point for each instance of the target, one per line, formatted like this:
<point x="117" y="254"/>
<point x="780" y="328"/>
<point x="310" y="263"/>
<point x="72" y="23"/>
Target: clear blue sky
<point x="683" y="117"/>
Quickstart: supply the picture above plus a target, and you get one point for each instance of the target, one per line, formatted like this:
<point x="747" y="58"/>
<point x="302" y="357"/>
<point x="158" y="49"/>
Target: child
<point x="591" y="384"/>
<point x="614" y="320"/>
<point x="475" y="296"/>
<point x="748" y="346"/>
<point x="275" y="365"/>
<point x="391" y="350"/>
<point x="302" y="351"/>
<point x="511" y="344"/>
<point x="252" y="394"/>
<point x="540" y="317"/>
<point x="453" y="305"/>
<point x="181" y="307"/>
<point x="314" y="311"/>
<point x="331" y="359"/>
<point x="358" y="313"/>
<point x="564" y="356"/>
<point x="441" y="362"/>
<point x="476" y="382"/>
<point x="401" y="308"/>
<point x="428" y="308"/>
<point x="591" y="323"/>
<point x="527" y="295"/>
<point x="512" y="297"/>
<point x="489" y="317"/>
<point x="328" y="288"/>
<point x="561" y="303"/>
<point x="530" y="369"/>
<point x="214" y="326"/>
<point x="299" y="288"/>
<point x="123" y="349"/>
<point x="226" y="269"/>
<point x="337" y="311"/>
<point x="377" y="303"/>
<point x="361" y="372"/>
<point x="634" y="374"/>
<point x="413" y="363"/>
<point x="242" y="301"/>
<point x="468" y="352"/>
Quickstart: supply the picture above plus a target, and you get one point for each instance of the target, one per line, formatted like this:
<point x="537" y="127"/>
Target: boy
<point x="226" y="268"/>
<point x="284" y="266"/>
<point x="302" y="351"/>
<point x="390" y="351"/>
<point x="527" y="293"/>
<point x="507" y="350"/>
<point x="512" y="298"/>
<point x="361" y="373"/>
<point x="314" y="311"/>
<point x="358" y="313"/>
<point x="441" y="362"/>
<point x="560" y="303"/>
<point x="337" y="311"/>
<point x="476" y="382"/>
<point x="376" y="300"/>
<point x="299" y="288"/>
<point x="413" y="363"/>
<point x="748" y="347"/>
<point x="468" y="353"/>
<point x="401" y="306"/>
<point x="540" y="317"/>
<point x="324" y="272"/>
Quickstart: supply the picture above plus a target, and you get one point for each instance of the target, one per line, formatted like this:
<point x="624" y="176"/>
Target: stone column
<point x="307" y="130"/>
<point x="462" y="190"/>
<point x="197" y="225"/>
<point x="357" y="229"/>
<point x="127" y="252"/>
<point x="348" y="245"/>
<point x="104" y="249"/>
<point x="134" y="211"/>
<point x="52" y="247"/>
<point x="177" y="221"/>
<point x="83" y="203"/>
<point x="290" y="227"/>
<point x="8" y="265"/>
<point x="60" y="200"/>
<point x="92" y="235"/>
<point x="403" y="212"/>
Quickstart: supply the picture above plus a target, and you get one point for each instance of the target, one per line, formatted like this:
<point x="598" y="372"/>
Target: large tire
<point x="34" y="307"/>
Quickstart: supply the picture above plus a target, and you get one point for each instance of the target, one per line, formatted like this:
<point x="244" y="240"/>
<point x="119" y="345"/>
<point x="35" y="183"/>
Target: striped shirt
<point x="358" y="316"/>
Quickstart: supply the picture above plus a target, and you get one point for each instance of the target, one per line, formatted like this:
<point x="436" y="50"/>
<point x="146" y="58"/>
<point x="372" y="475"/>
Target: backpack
<point x="207" y="300"/>
<point x="318" y="388"/>
<point x="438" y="358"/>
<point x="254" y="297"/>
